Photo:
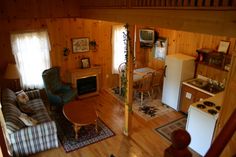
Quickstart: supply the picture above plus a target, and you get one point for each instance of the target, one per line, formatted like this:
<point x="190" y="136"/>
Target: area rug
<point x="150" y="109"/>
<point x="86" y="136"/>
<point x="167" y="129"/>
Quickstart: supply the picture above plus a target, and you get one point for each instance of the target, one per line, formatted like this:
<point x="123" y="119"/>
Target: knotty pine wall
<point x="185" y="43"/>
<point x="61" y="31"/>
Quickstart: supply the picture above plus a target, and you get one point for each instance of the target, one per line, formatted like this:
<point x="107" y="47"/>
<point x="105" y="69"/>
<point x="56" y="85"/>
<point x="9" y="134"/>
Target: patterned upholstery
<point x="9" y="96"/>
<point x="11" y="114"/>
<point x="34" y="139"/>
<point x="28" y="140"/>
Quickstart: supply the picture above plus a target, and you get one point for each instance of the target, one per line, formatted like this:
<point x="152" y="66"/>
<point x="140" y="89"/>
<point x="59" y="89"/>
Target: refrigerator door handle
<point x="165" y="70"/>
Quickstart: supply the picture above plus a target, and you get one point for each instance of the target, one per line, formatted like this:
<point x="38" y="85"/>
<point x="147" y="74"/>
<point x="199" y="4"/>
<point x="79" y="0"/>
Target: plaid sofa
<point x="25" y="140"/>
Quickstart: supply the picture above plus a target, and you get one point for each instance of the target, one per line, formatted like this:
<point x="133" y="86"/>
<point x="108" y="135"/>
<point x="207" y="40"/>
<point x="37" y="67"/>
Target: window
<point x="118" y="47"/>
<point x="31" y="52"/>
<point x="160" y="48"/>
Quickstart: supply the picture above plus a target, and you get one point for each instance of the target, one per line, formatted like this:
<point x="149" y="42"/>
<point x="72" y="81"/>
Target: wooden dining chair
<point x="121" y="70"/>
<point x="157" y="81"/>
<point x="144" y="85"/>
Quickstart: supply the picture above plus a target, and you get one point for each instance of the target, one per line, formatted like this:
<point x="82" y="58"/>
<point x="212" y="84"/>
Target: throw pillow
<point x="22" y="97"/>
<point x="28" y="121"/>
<point x="22" y="100"/>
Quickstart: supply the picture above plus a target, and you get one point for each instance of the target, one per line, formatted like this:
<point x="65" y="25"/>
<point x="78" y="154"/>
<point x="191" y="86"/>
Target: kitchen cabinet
<point x="189" y="96"/>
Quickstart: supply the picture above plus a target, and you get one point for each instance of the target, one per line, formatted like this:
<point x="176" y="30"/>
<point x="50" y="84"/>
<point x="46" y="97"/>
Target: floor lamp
<point x="12" y="74"/>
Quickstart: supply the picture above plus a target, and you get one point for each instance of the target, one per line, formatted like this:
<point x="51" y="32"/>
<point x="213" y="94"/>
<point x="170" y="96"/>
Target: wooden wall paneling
<point x="225" y="3"/>
<point x="207" y="3"/>
<point x="158" y="3"/>
<point x="201" y="69"/>
<point x="153" y="3"/>
<point x="185" y="43"/>
<point x="105" y="53"/>
<point x="171" y="36"/>
<point x="56" y="46"/>
<point x="61" y="31"/>
<point x="39" y="8"/>
<point x="216" y="3"/>
<point x="186" y="3"/>
<point x="192" y="3"/>
<point x="228" y="107"/>
<point x="179" y="3"/>
<point x="168" y="3"/>
<point x="199" y="3"/>
<point x="234" y="3"/>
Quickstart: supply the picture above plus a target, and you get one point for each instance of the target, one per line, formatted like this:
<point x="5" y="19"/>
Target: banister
<point x="181" y="137"/>
<point x="224" y="137"/>
<point x="163" y="4"/>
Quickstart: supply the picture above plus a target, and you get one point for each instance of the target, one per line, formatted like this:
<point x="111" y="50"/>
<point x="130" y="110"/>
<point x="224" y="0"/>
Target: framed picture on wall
<point x="80" y="45"/>
<point x="85" y="63"/>
<point x="223" y="46"/>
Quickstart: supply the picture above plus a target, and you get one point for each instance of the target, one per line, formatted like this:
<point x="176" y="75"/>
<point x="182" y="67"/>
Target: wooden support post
<point x="129" y="91"/>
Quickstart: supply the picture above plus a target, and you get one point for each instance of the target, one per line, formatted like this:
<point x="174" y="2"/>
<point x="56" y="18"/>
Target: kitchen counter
<point x="197" y="88"/>
<point x="204" y="86"/>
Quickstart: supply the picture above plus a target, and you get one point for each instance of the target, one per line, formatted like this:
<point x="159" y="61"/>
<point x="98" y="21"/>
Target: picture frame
<point x="80" y="45"/>
<point x="223" y="46"/>
<point x="85" y="63"/>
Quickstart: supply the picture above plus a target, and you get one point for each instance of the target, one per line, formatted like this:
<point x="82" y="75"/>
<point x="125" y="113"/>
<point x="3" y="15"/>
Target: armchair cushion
<point x="58" y="93"/>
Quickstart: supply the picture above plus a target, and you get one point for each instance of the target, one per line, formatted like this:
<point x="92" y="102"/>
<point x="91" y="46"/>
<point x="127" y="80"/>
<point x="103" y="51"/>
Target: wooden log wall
<point x="185" y="43"/>
<point x="61" y="31"/>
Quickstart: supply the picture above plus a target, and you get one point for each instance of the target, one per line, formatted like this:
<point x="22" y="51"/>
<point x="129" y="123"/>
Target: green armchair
<point x="58" y="92"/>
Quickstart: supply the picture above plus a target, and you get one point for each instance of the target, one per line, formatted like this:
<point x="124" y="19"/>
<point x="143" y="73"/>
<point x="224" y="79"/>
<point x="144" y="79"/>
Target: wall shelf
<point x="214" y="59"/>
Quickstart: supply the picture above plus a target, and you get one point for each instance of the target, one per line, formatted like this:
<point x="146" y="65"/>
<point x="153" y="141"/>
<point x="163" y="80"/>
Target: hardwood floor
<point x="142" y="142"/>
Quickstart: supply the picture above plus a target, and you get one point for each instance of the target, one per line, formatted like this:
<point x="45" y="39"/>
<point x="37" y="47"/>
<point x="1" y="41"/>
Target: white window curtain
<point x="31" y="52"/>
<point x="118" y="47"/>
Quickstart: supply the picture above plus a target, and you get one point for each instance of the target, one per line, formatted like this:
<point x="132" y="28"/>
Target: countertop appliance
<point x="178" y="68"/>
<point x="201" y="122"/>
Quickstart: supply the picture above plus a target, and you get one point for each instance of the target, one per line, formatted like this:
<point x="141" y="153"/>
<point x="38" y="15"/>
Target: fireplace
<point x="87" y="85"/>
<point x="87" y="81"/>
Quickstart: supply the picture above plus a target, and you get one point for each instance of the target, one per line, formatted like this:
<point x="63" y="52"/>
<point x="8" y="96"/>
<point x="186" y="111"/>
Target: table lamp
<point x="12" y="73"/>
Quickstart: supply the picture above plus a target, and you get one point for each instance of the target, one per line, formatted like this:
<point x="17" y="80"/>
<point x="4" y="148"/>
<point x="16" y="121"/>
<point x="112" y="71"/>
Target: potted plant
<point x="93" y="45"/>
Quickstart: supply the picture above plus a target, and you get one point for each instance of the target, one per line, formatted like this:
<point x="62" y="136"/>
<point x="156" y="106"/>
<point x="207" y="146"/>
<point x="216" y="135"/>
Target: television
<point x="146" y="37"/>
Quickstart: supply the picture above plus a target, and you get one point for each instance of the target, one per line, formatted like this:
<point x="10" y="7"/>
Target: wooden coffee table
<point x="80" y="114"/>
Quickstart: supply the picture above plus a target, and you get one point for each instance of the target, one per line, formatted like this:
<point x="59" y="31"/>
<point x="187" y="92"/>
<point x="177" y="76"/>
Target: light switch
<point x="188" y="95"/>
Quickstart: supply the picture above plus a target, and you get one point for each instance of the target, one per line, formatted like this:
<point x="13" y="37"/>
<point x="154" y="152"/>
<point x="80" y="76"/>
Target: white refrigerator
<point x="178" y="68"/>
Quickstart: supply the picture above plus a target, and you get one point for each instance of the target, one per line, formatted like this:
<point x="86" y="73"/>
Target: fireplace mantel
<point x="76" y="74"/>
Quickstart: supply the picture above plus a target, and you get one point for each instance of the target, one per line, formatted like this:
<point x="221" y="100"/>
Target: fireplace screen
<point x="87" y="85"/>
